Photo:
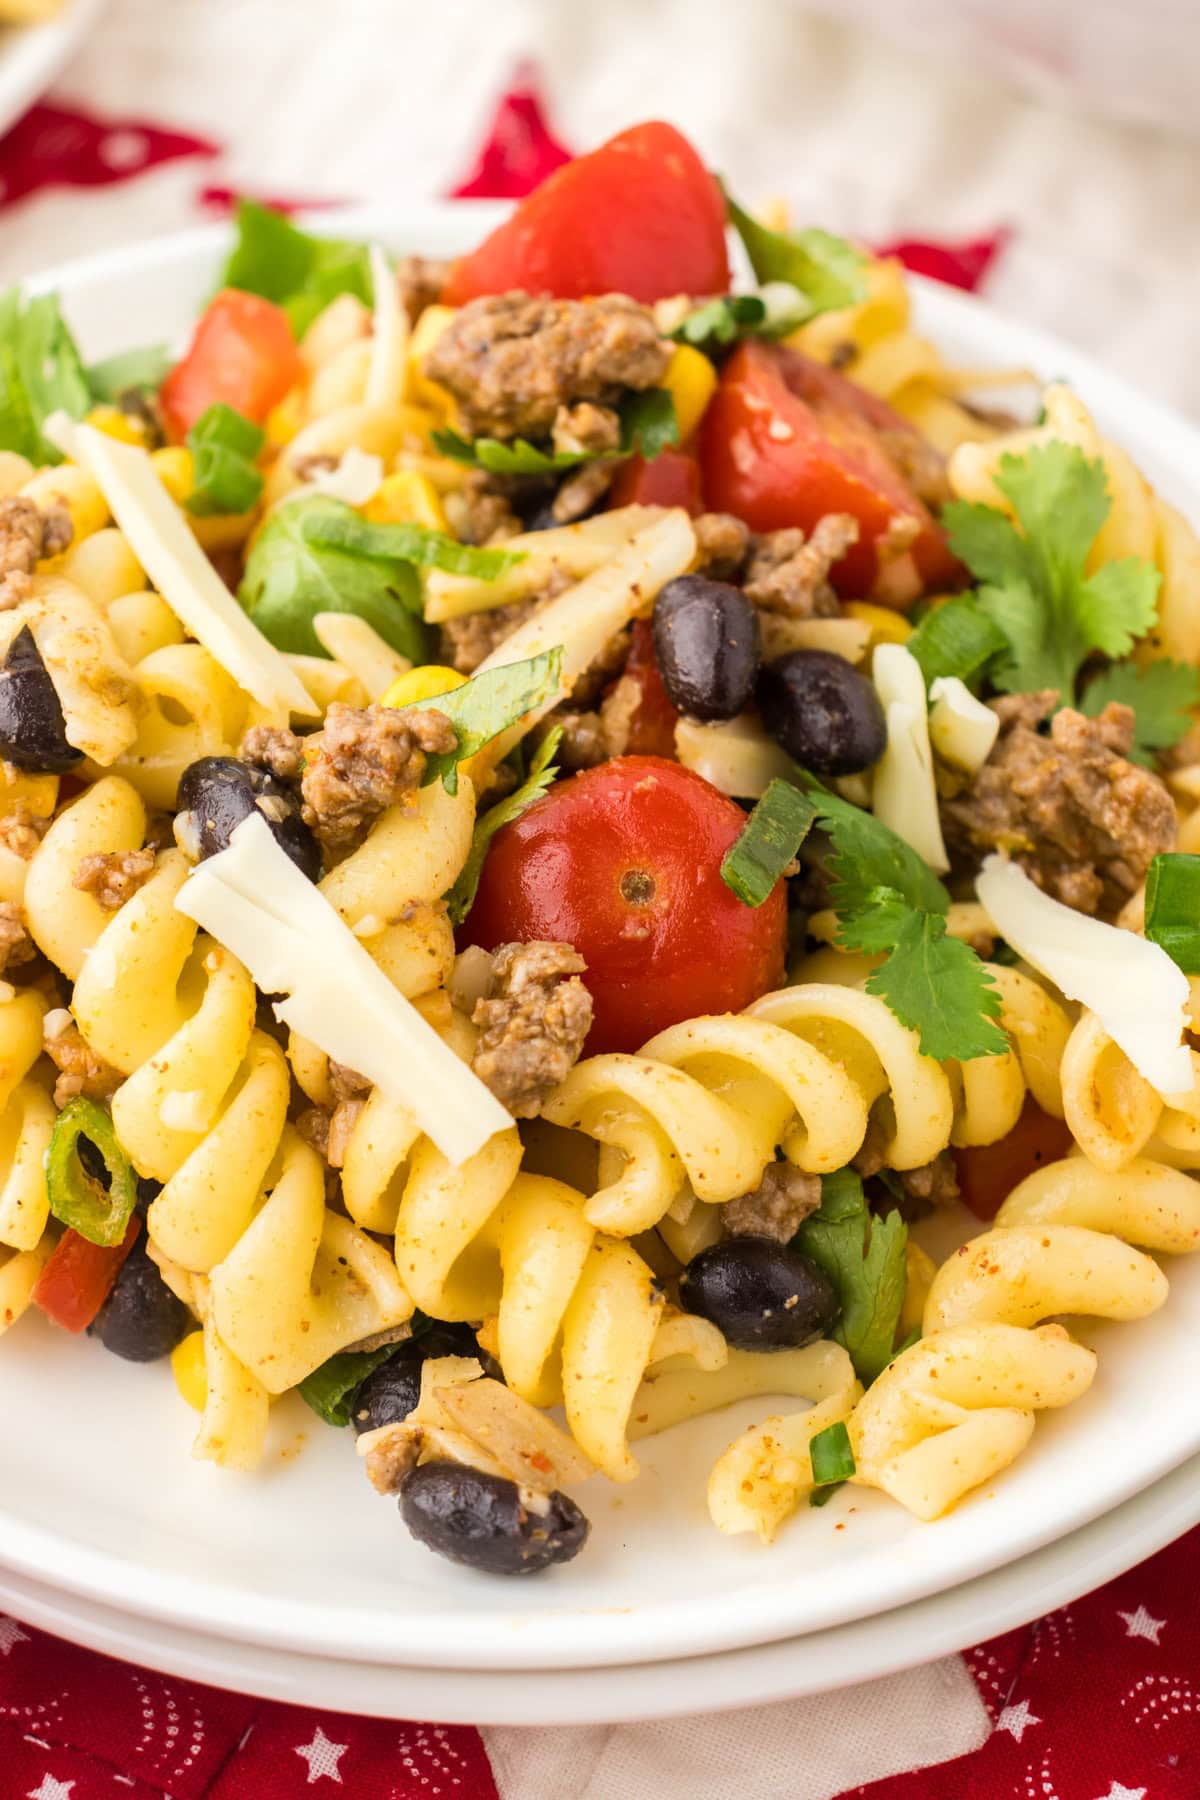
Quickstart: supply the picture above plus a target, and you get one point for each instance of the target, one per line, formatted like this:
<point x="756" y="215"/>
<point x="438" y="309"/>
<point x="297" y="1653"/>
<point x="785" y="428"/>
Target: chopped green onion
<point x="339" y="527"/>
<point x="98" y="1211"/>
<point x="831" y="1456"/>
<point x="224" y="444"/>
<point x="955" y="639"/>
<point x="1173" y="908"/>
<point x="820" y="1496"/>
<point x="773" y="833"/>
<point x="332" y="1389"/>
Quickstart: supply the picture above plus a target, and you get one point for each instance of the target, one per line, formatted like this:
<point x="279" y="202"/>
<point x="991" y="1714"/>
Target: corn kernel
<point x="284" y="421"/>
<point x="422" y="683"/>
<point x="189" y="1370"/>
<point x="887" y="626"/>
<point x="116" y="424"/>
<point x="66" y="484"/>
<point x="691" y="381"/>
<point x="176" y="471"/>
<point x="407" y="498"/>
<point x="428" y="328"/>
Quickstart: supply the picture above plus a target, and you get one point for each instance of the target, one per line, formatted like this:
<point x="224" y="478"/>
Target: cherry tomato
<point x="652" y="724"/>
<point x="624" y="862"/>
<point x="641" y="215"/>
<point x="988" y="1173"/>
<point x="786" y="440"/>
<point x="672" y="479"/>
<point x="242" y="353"/>
<point x="76" y="1280"/>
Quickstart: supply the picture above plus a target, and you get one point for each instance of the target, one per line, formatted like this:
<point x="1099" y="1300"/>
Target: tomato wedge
<point x="786" y="440"/>
<point x="988" y="1173"/>
<point x="672" y="479"/>
<point x="78" y="1277"/>
<point x="243" y="353"/>
<point x="641" y="216"/>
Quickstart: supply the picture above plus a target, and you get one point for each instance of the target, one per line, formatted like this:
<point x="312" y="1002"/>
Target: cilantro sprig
<point x="1161" y="694"/>
<point x="890" y="903"/>
<point x="488" y="704"/>
<point x="296" y="270"/>
<point x="1034" y="581"/>
<point x="41" y="372"/>
<point x="827" y="270"/>
<point x="864" y="1257"/>
<point x="648" y="424"/>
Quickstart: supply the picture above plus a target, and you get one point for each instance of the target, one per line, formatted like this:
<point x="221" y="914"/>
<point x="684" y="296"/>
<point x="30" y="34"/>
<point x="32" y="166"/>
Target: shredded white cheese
<point x="388" y="371"/>
<point x="160" y="538"/>
<point x="356" y="478"/>
<point x="254" y="900"/>
<point x="961" y="728"/>
<point x="1133" y="987"/>
<point x="904" y="794"/>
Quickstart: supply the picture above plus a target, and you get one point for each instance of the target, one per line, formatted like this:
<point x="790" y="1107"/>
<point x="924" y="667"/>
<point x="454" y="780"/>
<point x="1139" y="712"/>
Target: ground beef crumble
<point x="278" y="751"/>
<point x="511" y="360"/>
<point x="81" y="1071"/>
<point x="470" y="639"/>
<point x="722" y="542"/>
<point x="328" y="1128"/>
<point x="586" y="429"/>
<point x="582" y="490"/>
<point x="479" y="512"/>
<point x="363" y="760"/>
<point x="933" y="1184"/>
<point x="22" y="830"/>
<point x="777" y="1207"/>
<point x="788" y="572"/>
<point x="27" y="534"/>
<point x="114" y="876"/>
<point x="420" y="280"/>
<point x="1068" y="805"/>
<point x="532" y="1023"/>
<point x="16" y="945"/>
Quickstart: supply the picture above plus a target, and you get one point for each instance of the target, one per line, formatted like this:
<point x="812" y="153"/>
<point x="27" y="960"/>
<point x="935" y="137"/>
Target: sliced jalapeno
<point x="98" y="1210"/>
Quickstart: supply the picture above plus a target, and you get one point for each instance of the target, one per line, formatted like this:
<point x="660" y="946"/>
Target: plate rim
<point x="206" y="1606"/>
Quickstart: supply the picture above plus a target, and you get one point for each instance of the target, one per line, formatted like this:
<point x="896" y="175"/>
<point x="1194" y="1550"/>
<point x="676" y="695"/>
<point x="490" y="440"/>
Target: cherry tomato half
<point x="641" y="216"/>
<point x="652" y="722"/>
<point x="988" y="1173"/>
<point x="671" y="479"/>
<point x="242" y="353"/>
<point x="624" y="862"/>
<point x="786" y="440"/>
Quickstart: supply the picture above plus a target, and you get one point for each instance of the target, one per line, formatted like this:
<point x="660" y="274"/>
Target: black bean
<point x="142" y="1319"/>
<point x="706" y="640"/>
<point x="218" y="792"/>
<point x="392" y="1390"/>
<point x="33" y="732"/>
<point x="823" y="712"/>
<point x="761" y="1294"/>
<point x="482" y="1521"/>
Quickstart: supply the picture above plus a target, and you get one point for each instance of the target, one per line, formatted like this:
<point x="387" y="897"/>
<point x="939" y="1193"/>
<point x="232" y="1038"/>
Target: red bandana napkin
<point x="1099" y="1701"/>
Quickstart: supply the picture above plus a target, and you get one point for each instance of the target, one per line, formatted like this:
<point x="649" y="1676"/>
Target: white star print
<point x="1142" y="1624"/>
<point x="322" y="1757"/>
<point x="50" y="1789"/>
<point x="1017" y="1719"/>
<point x="10" y="1634"/>
<point x="1117" y="1792"/>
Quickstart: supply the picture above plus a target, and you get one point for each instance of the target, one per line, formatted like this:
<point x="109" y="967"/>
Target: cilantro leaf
<point x="300" y="272"/>
<point x="1173" y="908"/>
<point x="866" y="855"/>
<point x="542" y="774"/>
<point x="487" y="705"/>
<point x="224" y="443"/>
<point x="648" y="424"/>
<point x="1035" y="588"/>
<point x="130" y="371"/>
<point x="337" y="526"/>
<point x="1161" y="694"/>
<point x="41" y="372"/>
<point x="955" y="639"/>
<point x="933" y="983"/>
<point x="864" y="1257"/>
<point x="289" y="578"/>
<point x="828" y="271"/>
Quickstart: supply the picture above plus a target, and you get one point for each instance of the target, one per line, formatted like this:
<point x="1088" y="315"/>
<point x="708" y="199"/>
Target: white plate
<point x="32" y="55"/>
<point x="99" y="1497"/>
<point x="939" y="1626"/>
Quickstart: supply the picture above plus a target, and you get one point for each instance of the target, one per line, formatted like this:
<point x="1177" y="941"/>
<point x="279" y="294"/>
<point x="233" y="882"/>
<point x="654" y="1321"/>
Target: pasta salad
<point x="553" y="808"/>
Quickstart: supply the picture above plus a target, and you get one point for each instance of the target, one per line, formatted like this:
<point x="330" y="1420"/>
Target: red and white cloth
<point x="1099" y="1701"/>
